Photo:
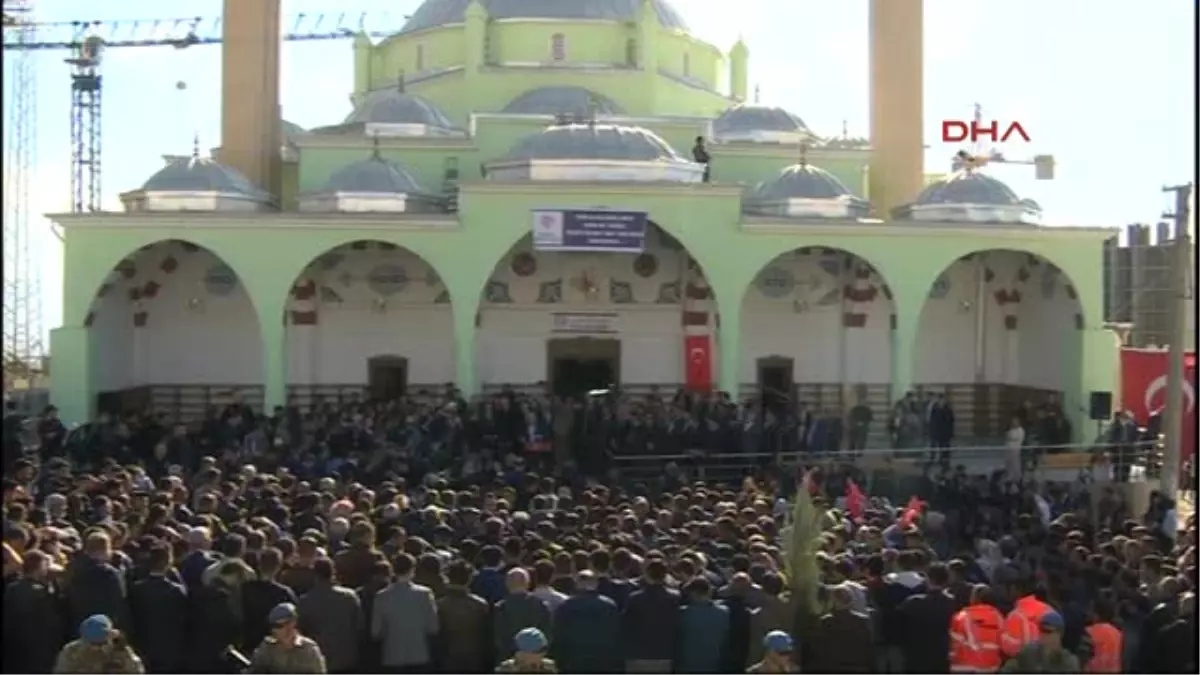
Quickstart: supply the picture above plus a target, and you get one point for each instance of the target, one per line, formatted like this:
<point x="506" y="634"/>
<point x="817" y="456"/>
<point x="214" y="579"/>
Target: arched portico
<point x="171" y="324"/>
<point x="817" y="324"/>
<point x="588" y="319"/>
<point x="358" y="301"/>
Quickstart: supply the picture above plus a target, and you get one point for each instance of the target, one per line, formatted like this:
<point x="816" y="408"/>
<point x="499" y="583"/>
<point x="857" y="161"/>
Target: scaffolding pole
<point x="1181" y="301"/>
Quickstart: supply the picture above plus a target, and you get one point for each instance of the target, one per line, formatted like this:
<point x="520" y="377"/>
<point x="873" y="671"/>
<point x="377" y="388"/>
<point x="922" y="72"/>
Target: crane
<point x="978" y="157"/>
<point x="88" y="40"/>
<point x="23" y="340"/>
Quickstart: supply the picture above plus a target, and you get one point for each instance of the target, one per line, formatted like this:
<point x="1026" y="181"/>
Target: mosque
<point x="514" y="200"/>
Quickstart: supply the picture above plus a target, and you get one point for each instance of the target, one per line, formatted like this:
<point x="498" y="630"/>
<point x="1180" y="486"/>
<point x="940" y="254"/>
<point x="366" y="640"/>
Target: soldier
<point x="285" y="650"/>
<point x="99" y="649"/>
<point x="530" y="657"/>
<point x="777" y="655"/>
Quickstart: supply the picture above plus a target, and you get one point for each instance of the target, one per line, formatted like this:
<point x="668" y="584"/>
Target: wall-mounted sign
<point x="596" y="230"/>
<point x="584" y="322"/>
<point x="387" y="279"/>
<point x="220" y="279"/>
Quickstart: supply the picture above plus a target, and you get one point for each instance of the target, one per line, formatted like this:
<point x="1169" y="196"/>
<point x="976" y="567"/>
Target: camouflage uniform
<point x="272" y="657"/>
<point x="763" y="667"/>
<point x="545" y="666"/>
<point x="1034" y="658"/>
<point x="83" y="657"/>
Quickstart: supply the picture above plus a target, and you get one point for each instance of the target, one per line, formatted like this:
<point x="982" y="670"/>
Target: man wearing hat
<point x="285" y="650"/>
<point x="777" y="655"/>
<point x="99" y="649"/>
<point x="1046" y="655"/>
<point x="530" y="656"/>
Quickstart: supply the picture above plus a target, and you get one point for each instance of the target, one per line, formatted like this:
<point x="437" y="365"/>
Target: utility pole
<point x="1182" y="297"/>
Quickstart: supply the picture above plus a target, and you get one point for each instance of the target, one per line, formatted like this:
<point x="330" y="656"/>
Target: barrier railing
<point x="1133" y="462"/>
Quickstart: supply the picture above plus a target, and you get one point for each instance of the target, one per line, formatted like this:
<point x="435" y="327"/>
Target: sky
<point x="1105" y="87"/>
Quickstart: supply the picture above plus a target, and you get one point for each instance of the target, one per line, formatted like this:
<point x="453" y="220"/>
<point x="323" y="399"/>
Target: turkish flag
<point x="1144" y="389"/>
<point x="698" y="351"/>
<point x="856" y="501"/>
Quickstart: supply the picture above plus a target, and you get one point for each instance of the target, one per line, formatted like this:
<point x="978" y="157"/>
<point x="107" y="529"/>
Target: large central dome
<point x="434" y="13"/>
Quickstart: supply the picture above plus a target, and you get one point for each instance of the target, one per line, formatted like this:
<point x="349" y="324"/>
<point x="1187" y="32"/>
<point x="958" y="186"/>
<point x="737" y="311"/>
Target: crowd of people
<point x="433" y="534"/>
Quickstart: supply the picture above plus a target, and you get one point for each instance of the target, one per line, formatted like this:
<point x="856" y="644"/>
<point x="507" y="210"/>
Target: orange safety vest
<point x="1023" y="625"/>
<point x="1108" y="646"/>
<point x="975" y="640"/>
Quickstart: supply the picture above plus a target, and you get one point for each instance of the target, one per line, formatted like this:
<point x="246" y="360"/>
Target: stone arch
<point x="828" y="312"/>
<point x="173" y="313"/>
<point x="359" y="299"/>
<point x="1004" y="317"/>
<point x="652" y="301"/>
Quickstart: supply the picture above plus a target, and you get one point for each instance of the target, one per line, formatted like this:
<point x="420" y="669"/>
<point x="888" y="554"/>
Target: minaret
<point x="475" y="43"/>
<point x="897" y="104"/>
<point x="739" y="71"/>
<point x="364" y="59"/>
<point x="250" y="90"/>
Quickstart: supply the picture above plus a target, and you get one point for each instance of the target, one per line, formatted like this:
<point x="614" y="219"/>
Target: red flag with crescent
<point x="1144" y="375"/>
<point x="698" y="351"/>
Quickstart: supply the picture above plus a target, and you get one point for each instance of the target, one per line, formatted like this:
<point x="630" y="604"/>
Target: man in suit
<point x="200" y="557"/>
<point x="95" y="586"/>
<point x="404" y="620"/>
<point x="260" y="596"/>
<point x="332" y="616"/>
<point x="158" y="608"/>
<point x="843" y="643"/>
<point x="587" y="630"/>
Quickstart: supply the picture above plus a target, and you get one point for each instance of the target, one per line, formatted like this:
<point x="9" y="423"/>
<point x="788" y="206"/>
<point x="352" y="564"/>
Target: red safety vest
<point x="975" y="640"/>
<point x="1108" y="646"/>
<point x="1023" y="625"/>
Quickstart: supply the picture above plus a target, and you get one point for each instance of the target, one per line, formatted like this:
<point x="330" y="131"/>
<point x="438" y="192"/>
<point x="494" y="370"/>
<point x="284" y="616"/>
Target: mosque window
<point x="631" y="53"/>
<point x="558" y="47"/>
<point x="687" y="64"/>
<point x="420" y="57"/>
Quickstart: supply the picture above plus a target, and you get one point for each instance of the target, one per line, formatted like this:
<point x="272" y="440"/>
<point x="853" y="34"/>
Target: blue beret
<point x="95" y="629"/>
<point x="282" y="613"/>
<point x="530" y="640"/>
<point x="777" y="641"/>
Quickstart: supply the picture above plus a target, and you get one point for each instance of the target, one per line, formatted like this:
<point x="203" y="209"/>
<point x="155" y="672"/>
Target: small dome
<point x="374" y="175"/>
<point x="968" y="188"/>
<point x="594" y="141"/>
<point x="200" y="174"/>
<point x="392" y="106"/>
<point x="434" y="13"/>
<point x="575" y="101"/>
<point x="757" y="122"/>
<point x="805" y="191"/>
<point x="970" y="196"/>
<point x="290" y="129"/>
<point x="802" y="181"/>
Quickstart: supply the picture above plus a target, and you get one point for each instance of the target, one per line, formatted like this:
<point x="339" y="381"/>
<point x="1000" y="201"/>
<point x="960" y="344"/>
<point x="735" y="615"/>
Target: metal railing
<point x="877" y="468"/>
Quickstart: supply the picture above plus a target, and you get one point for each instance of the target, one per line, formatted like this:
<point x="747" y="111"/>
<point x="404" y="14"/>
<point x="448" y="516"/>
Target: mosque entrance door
<point x="387" y="377"/>
<point x="579" y="365"/>
<point x="775" y="380"/>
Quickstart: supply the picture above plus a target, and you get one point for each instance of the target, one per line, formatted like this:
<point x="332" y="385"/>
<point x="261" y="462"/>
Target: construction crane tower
<point x="86" y="42"/>
<point x="23" y="340"/>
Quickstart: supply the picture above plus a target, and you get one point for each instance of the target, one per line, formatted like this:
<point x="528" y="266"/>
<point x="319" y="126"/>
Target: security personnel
<point x="975" y="635"/>
<point x="285" y="650"/>
<point x="1022" y="626"/>
<point x="99" y="649"/>
<point x="530" y="656"/>
<point x="1108" y="643"/>
<point x="777" y="654"/>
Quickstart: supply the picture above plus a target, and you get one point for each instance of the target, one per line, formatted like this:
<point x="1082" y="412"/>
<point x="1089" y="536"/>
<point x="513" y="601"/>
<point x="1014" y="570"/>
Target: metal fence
<point x="902" y="472"/>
